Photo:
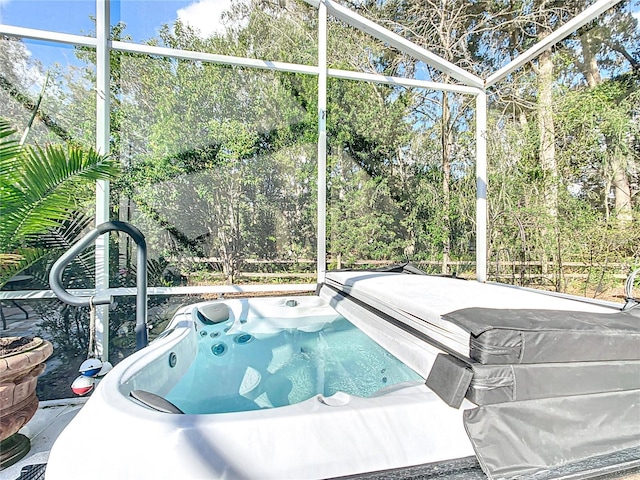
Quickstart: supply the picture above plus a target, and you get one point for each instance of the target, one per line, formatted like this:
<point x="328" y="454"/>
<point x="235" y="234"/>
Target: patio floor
<point x="43" y="429"/>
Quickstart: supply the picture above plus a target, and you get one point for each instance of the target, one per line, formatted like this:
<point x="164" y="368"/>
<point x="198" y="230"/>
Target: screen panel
<point x="220" y="168"/>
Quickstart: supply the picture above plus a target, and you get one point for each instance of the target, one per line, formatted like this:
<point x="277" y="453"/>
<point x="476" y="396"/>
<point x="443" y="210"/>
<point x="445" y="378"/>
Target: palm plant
<point x="40" y="190"/>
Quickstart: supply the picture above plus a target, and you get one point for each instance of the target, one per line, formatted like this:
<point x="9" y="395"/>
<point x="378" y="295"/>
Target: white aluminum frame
<point x="35" y="34"/>
<point x="365" y="25"/>
<point x="470" y="84"/>
<point x="103" y="73"/>
<point x="47" y="36"/>
<point x="322" y="145"/>
<point x="560" y="34"/>
<point x="481" y="187"/>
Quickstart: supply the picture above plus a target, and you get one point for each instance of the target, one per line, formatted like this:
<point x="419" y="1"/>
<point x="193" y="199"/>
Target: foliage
<point x="365" y="221"/>
<point x="40" y="189"/>
<point x="594" y="133"/>
<point x="220" y="161"/>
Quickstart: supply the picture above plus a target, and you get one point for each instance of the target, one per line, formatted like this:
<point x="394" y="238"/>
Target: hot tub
<point x="269" y="388"/>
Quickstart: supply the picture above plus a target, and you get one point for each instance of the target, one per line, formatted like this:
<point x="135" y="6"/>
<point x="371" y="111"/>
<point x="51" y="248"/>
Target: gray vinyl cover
<point x="511" y="336"/>
<point x="508" y="383"/>
<point x="525" y="437"/>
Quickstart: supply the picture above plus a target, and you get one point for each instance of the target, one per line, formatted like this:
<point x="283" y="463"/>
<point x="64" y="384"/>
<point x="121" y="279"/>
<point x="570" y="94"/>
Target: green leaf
<point x="42" y="187"/>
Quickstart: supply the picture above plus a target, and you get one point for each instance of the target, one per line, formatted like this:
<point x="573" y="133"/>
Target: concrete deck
<point x="52" y="415"/>
<point x="43" y="429"/>
<point x="18" y="324"/>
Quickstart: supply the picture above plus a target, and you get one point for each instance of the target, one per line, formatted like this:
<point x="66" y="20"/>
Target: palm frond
<point x="67" y="233"/>
<point x="17" y="261"/>
<point x="9" y="153"/>
<point x="64" y="237"/>
<point x="44" y="191"/>
<point x="10" y="148"/>
<point x="41" y="189"/>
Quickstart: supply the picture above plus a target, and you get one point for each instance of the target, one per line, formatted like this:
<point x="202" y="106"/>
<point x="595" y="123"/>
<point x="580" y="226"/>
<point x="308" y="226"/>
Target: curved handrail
<point x="55" y="276"/>
<point x="628" y="290"/>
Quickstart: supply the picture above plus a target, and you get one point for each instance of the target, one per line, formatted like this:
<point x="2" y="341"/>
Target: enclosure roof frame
<point x="131" y="47"/>
<point x="359" y="22"/>
<point x="556" y="36"/>
<point x="381" y="33"/>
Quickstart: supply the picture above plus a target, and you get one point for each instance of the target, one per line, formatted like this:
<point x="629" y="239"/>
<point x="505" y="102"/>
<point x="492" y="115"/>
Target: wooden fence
<point x="504" y="271"/>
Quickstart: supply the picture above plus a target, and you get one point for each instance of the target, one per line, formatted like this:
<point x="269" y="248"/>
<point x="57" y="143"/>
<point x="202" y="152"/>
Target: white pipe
<point x="481" y="187"/>
<point x="103" y="74"/>
<point x="236" y="61"/>
<point x="213" y="58"/>
<point x="47" y="36"/>
<point x="322" y="144"/>
<point x="403" y="82"/>
<point x="568" y="28"/>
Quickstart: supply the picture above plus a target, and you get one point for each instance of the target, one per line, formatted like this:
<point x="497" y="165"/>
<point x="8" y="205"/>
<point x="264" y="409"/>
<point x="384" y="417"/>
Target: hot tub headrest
<point x="155" y="402"/>
<point x="212" y="313"/>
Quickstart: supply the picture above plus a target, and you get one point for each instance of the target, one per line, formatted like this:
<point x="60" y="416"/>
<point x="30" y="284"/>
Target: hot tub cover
<point x="558" y="379"/>
<point x="522" y="438"/>
<point x="453" y="380"/>
<point x="508" y="383"/>
<point x="461" y="317"/>
<point x="505" y="336"/>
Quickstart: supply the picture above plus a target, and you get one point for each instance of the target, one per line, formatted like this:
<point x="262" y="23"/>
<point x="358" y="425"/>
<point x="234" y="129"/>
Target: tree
<point x="602" y="44"/>
<point x="445" y="28"/>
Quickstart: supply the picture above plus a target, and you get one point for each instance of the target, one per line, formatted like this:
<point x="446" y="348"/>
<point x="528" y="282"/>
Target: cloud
<point x="204" y="15"/>
<point x="2" y="4"/>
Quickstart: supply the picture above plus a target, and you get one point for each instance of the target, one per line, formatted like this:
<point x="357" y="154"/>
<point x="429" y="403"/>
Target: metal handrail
<point x="55" y="276"/>
<point x="628" y="290"/>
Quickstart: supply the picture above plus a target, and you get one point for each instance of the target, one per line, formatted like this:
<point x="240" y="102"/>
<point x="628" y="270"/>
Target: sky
<point x="142" y="17"/>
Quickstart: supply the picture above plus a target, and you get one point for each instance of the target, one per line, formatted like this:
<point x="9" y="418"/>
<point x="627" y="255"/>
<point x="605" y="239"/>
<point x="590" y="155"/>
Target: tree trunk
<point x="446" y="139"/>
<point x="546" y="127"/>
<point x="226" y="232"/>
<point x="591" y="70"/>
<point x="619" y="177"/>
<point x="621" y="191"/>
<point x="547" y="155"/>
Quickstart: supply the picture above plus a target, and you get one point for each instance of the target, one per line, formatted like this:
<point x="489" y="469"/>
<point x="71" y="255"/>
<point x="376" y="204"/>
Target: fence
<point x="529" y="273"/>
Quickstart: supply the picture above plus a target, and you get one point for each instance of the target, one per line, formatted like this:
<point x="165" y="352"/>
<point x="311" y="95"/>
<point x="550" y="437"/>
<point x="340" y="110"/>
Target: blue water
<point x="237" y="371"/>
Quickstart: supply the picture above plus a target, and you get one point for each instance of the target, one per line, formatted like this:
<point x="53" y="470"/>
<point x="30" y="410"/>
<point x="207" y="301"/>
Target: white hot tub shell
<point x="321" y="437"/>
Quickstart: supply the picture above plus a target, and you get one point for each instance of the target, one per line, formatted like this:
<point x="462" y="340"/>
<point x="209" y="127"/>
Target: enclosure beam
<point x="212" y="58"/>
<point x="481" y="187"/>
<point x="322" y="144"/>
<point x="217" y="290"/>
<point x="565" y="30"/>
<point x="402" y="82"/>
<point x="402" y="44"/>
<point x="102" y="186"/>
<point x="138" y="48"/>
<point x="47" y="36"/>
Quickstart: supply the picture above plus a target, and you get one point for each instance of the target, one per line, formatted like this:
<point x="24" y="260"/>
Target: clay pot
<point x="21" y="361"/>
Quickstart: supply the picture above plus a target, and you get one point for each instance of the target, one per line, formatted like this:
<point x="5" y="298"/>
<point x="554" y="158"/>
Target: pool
<point x="243" y="369"/>
<point x="267" y="388"/>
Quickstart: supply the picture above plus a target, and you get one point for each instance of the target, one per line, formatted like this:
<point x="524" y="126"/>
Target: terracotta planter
<point x="21" y="361"/>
